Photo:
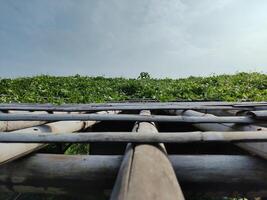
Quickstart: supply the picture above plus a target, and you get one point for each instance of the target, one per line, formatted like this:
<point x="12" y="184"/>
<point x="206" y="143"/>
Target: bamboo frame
<point x="145" y="165"/>
<point x="128" y="137"/>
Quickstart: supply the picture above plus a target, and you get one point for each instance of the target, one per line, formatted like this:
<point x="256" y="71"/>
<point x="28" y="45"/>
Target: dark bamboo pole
<point x="141" y="137"/>
<point x="136" y="106"/>
<point x="127" y="117"/>
<point x="146" y="172"/>
<point x="214" y="175"/>
<point x="258" y="148"/>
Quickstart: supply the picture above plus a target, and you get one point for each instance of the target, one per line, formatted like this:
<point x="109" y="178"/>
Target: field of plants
<point x="79" y="89"/>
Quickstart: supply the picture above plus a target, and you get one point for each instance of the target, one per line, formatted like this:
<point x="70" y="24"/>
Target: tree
<point x="144" y="75"/>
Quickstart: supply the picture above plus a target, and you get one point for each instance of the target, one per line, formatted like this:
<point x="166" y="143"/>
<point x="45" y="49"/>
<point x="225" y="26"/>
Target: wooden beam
<point x="146" y="173"/>
<point x="141" y="137"/>
<point x="137" y="103"/>
<point x="127" y="117"/>
<point x="60" y="174"/>
<point x="258" y="148"/>
<point x="15" y="125"/>
<point x="137" y="106"/>
<point x="260" y="114"/>
<point x="215" y="175"/>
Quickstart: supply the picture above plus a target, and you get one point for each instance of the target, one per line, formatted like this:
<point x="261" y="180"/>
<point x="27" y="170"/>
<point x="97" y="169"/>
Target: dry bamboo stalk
<point x="146" y="173"/>
<point x="141" y="137"/>
<point x="258" y="148"/>
<point x="221" y="175"/>
<point x="135" y="106"/>
<point x="11" y="125"/>
<point x="9" y="152"/>
<point x="127" y="117"/>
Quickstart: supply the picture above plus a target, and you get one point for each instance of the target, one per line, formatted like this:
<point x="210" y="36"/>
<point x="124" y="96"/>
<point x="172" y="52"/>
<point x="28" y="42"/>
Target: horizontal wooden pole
<point x="136" y="106"/>
<point x="141" y="102"/>
<point x="62" y="174"/>
<point x="126" y="117"/>
<point x="12" y="126"/>
<point x="258" y="148"/>
<point x="163" y="137"/>
<point x="59" y="174"/>
<point x="260" y="114"/>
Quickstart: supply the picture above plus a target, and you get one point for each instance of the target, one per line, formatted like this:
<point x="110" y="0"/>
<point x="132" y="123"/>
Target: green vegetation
<point x="78" y="89"/>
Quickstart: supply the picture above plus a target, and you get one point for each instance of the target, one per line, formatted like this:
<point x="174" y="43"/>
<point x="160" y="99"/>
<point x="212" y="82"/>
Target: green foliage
<point x="75" y="149"/>
<point x="78" y="89"/>
<point x="144" y="75"/>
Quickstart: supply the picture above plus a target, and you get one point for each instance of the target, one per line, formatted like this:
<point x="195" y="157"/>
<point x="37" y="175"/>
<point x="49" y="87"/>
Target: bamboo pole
<point x="142" y="137"/>
<point x="127" y="117"/>
<point x="215" y="175"/>
<point x="11" y="125"/>
<point x="137" y="106"/>
<point x="261" y="114"/>
<point x="258" y="148"/>
<point x="9" y="152"/>
<point x="137" y="103"/>
<point x="145" y="172"/>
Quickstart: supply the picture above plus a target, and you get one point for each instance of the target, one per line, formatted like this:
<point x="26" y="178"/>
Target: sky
<point x="171" y="38"/>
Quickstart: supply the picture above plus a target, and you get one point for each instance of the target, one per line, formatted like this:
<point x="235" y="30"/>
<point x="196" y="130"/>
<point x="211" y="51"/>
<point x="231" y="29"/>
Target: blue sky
<point x="172" y="38"/>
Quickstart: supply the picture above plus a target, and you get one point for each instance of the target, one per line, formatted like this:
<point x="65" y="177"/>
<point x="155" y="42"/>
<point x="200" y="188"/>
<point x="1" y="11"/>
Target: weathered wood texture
<point x="146" y="172"/>
<point x="261" y="114"/>
<point x="136" y="106"/>
<point x="65" y="174"/>
<point x="259" y="148"/>
<point x="128" y="117"/>
<point x="11" y="125"/>
<point x="13" y="151"/>
<point x="141" y="137"/>
<point x="60" y="174"/>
